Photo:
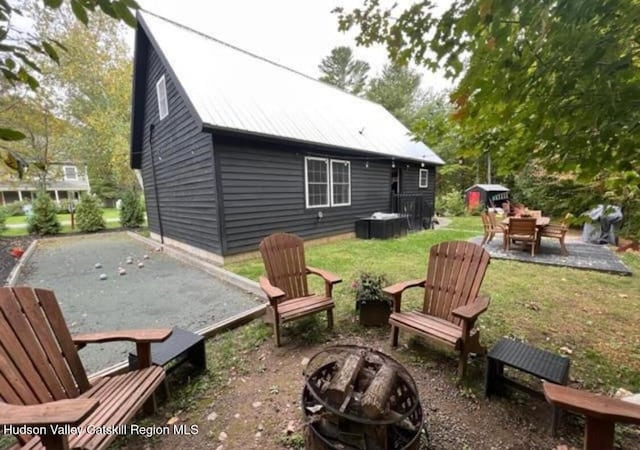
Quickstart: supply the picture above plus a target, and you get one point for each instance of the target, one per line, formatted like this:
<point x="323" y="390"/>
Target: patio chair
<point x="556" y="231"/>
<point x="537" y="213"/>
<point x="43" y="382"/>
<point x="286" y="282"/>
<point x="451" y="301"/>
<point x="522" y="229"/>
<point x="602" y="413"/>
<point x="486" y="225"/>
<point x="497" y="228"/>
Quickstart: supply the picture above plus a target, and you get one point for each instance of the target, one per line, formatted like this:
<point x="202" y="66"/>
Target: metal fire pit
<point x="343" y="419"/>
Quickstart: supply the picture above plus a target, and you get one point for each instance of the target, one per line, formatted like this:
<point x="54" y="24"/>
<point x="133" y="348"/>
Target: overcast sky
<point x="294" y="33"/>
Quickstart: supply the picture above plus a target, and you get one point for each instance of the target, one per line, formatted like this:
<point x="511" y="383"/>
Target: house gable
<point x="174" y="154"/>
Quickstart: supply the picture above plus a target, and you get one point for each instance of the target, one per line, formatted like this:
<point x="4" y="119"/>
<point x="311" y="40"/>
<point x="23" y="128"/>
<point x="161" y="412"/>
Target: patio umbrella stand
<point x="357" y="398"/>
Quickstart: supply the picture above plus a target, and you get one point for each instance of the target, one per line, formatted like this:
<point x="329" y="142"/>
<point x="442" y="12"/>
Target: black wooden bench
<point x="534" y="361"/>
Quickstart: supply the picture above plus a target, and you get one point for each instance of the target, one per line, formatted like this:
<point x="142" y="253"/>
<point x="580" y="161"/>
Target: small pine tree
<point x="3" y="218"/>
<point x="43" y="219"/>
<point x="131" y="212"/>
<point x="89" y="214"/>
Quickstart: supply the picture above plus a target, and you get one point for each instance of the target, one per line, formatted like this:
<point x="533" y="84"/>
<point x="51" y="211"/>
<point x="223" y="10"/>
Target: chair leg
<point x="484" y="238"/>
<point x="276" y="330"/>
<point x="330" y="319"/>
<point x="462" y="364"/>
<point x="563" y="249"/>
<point x="599" y="434"/>
<point x="533" y="248"/>
<point x="395" y="332"/>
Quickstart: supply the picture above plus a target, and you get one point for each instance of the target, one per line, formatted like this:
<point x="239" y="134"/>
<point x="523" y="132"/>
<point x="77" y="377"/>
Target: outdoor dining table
<point x="541" y="222"/>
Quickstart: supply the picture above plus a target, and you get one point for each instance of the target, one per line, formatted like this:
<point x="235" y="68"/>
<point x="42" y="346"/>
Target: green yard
<point x="17" y="225"/>
<point x="594" y="316"/>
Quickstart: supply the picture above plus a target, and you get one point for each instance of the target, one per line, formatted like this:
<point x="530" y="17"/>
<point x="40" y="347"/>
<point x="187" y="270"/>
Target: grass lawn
<point x="111" y="216"/>
<point x="593" y="315"/>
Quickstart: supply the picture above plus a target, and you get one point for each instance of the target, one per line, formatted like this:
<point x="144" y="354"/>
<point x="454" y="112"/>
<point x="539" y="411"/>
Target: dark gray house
<point x="233" y="147"/>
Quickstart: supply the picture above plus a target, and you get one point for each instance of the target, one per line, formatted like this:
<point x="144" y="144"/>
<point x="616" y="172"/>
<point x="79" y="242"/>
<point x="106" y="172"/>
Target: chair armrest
<point x="592" y="405"/>
<point x="472" y="310"/>
<point x="273" y="293"/>
<point x="71" y="411"/>
<point x="327" y="276"/>
<point x="137" y="336"/>
<point x="399" y="288"/>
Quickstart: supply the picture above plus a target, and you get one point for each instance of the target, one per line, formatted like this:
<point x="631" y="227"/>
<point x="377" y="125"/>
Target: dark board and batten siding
<point x="263" y="189"/>
<point x="184" y="167"/>
<point x="409" y="181"/>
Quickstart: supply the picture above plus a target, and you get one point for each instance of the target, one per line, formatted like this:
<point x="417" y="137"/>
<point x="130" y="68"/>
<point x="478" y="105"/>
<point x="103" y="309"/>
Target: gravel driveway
<point x="163" y="293"/>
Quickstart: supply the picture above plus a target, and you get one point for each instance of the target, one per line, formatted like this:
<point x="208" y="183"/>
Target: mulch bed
<point x="7" y="261"/>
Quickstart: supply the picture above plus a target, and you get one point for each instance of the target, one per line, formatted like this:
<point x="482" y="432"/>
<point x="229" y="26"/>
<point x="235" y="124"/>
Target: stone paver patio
<point x="581" y="255"/>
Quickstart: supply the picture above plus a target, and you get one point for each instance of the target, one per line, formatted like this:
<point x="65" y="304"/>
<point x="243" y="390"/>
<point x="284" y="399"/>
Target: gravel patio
<point x="164" y="292"/>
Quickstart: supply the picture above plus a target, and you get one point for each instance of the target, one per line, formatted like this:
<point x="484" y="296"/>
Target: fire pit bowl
<point x="358" y="398"/>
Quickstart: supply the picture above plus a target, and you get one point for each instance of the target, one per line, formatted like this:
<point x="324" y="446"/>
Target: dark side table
<point x="182" y="346"/>
<point x="525" y="358"/>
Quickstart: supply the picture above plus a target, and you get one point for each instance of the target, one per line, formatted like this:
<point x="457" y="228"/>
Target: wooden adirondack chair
<point x="451" y="302"/>
<point x="602" y="413"/>
<point x="286" y="282"/>
<point x="43" y="383"/>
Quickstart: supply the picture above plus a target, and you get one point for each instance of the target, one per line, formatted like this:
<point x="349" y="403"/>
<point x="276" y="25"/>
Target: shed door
<point x="473" y="199"/>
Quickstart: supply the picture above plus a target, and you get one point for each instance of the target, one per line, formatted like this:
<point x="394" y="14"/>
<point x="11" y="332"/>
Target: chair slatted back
<point x="493" y="220"/>
<point x="283" y="257"/>
<point x="535" y="213"/>
<point x="486" y="221"/>
<point x="522" y="226"/>
<point x="454" y="276"/>
<point x="38" y="360"/>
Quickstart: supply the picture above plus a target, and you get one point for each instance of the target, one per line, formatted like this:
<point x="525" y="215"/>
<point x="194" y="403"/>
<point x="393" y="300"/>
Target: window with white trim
<point x="340" y="183"/>
<point x="423" y="181"/>
<point x="161" y="92"/>
<point x="70" y="173"/>
<point x="327" y="182"/>
<point x="317" y="181"/>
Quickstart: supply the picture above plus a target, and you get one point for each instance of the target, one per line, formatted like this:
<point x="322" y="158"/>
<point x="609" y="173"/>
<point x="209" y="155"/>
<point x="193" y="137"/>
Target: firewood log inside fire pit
<point x="357" y="398"/>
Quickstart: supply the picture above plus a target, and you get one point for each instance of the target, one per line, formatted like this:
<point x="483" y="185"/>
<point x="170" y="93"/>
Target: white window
<point x="423" y="182"/>
<point x="161" y="91"/>
<point x="328" y="182"/>
<point x="317" y="181"/>
<point x="340" y="183"/>
<point x="70" y="173"/>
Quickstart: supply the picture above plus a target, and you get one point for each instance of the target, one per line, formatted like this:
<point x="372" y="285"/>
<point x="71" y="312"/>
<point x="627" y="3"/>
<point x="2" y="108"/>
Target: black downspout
<point x="155" y="185"/>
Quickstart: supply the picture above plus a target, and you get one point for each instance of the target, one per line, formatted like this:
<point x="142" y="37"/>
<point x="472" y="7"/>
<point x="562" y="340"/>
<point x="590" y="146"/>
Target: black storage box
<point x="370" y="228"/>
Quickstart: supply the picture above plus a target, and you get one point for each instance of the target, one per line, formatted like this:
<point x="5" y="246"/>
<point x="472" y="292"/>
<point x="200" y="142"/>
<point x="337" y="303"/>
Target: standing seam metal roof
<point x="236" y="90"/>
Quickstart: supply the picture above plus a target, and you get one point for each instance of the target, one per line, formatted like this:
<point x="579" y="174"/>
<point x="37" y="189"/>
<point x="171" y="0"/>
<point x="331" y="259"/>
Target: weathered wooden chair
<point x="537" y="213"/>
<point x="451" y="302"/>
<point x="286" y="282"/>
<point x="43" y="383"/>
<point x="556" y="231"/>
<point x="602" y="413"/>
<point x="495" y="227"/>
<point x="522" y="229"/>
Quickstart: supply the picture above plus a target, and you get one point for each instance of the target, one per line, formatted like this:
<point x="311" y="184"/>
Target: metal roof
<point x="232" y="89"/>
<point x="489" y="187"/>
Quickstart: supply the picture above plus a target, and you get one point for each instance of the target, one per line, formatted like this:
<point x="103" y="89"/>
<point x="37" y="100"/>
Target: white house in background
<point x="65" y="181"/>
